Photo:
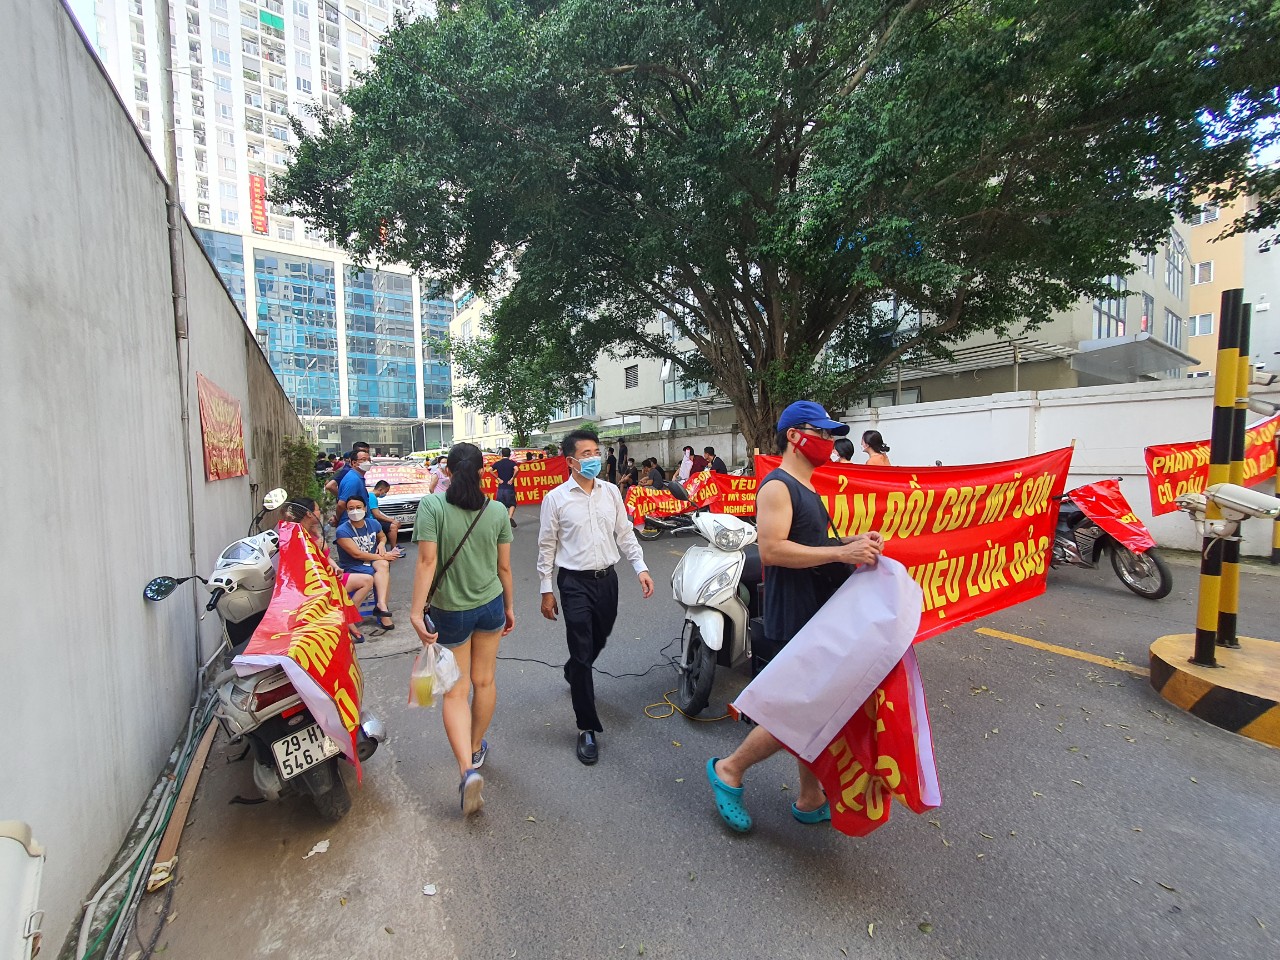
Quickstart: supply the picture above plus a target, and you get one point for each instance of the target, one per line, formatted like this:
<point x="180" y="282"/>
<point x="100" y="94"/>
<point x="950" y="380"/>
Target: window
<point x="1150" y="263"/>
<point x="230" y="218"/>
<point x="221" y="30"/>
<point x="1110" y="313"/>
<point x="221" y="57"/>
<point x="302" y="58"/>
<point x="222" y="83"/>
<point x="1202" y="272"/>
<point x="304" y="85"/>
<point x="632" y="376"/>
<point x="1207" y="214"/>
<point x="278" y="132"/>
<point x="140" y="60"/>
<point x="140" y="90"/>
<point x="300" y="8"/>
<point x="224" y="111"/>
<point x="226" y="138"/>
<point x="1200" y="325"/>
<point x="1174" y="268"/>
<point x="284" y="233"/>
<point x="279" y="159"/>
<point x="218" y="6"/>
<point x="228" y="165"/>
<point x="1172" y="329"/>
<point x="227" y="191"/>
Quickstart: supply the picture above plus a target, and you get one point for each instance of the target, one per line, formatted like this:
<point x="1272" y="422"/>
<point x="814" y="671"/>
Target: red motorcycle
<point x="1097" y="517"/>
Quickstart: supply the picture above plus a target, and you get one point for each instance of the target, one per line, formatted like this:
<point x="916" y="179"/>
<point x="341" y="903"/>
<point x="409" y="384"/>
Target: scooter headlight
<point x="727" y="539"/>
<point x="718" y="583"/>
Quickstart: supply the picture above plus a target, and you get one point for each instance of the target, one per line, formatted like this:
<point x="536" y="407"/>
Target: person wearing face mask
<point x="843" y="452"/>
<point x="796" y="539"/>
<point x="685" y="470"/>
<point x="305" y="512"/>
<point x="342" y="466"/>
<point x="584" y="531"/>
<point x="352" y="487"/>
<point x="362" y="548"/>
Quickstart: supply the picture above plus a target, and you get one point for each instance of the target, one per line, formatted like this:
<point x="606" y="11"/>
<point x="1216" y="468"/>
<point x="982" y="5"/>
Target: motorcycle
<point x="291" y="754"/>
<point x="1095" y="518"/>
<point x="718" y="586"/>
<point x="653" y="526"/>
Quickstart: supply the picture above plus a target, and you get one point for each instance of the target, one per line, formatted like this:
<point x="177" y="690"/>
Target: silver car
<point x="410" y="482"/>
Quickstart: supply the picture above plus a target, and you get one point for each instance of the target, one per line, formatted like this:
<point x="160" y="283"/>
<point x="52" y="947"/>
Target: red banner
<point x="1105" y="505"/>
<point x="304" y="631"/>
<point x="403" y="477"/>
<point x="258" y="203"/>
<point x="656" y="501"/>
<point x="533" y="479"/>
<point x="737" y="495"/>
<point x="884" y="753"/>
<point x="977" y="538"/>
<point x="221" y="430"/>
<point x="1177" y="468"/>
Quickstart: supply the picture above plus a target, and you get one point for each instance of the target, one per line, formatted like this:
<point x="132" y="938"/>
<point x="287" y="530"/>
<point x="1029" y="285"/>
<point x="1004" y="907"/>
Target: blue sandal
<point x="728" y="801"/>
<point x="821" y="815"/>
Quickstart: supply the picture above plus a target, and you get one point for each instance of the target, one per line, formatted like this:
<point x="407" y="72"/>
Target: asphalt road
<point x="1082" y="816"/>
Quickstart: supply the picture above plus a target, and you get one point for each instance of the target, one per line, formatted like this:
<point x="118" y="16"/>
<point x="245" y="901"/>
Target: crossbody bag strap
<point x="435" y="582"/>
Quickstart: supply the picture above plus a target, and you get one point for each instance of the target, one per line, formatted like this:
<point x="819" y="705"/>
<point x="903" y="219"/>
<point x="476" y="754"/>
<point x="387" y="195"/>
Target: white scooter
<point x="717" y="586"/>
<point x="291" y="754"/>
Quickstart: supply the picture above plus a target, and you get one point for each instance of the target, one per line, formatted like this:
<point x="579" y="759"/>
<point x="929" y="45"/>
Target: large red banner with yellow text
<point x="533" y="479"/>
<point x="304" y="631"/>
<point x="737" y="495"/>
<point x="645" y="501"/>
<point x="258" y="203"/>
<point x="1177" y="468"/>
<point x="977" y="537"/>
<point x="221" y="430"/>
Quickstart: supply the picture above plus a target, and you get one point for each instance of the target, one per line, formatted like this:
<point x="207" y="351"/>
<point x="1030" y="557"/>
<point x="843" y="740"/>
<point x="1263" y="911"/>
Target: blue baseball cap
<point x="806" y="411"/>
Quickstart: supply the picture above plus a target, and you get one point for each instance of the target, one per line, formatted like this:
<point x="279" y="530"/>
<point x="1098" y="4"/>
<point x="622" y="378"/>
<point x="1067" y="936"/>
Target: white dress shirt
<point x="585" y="531"/>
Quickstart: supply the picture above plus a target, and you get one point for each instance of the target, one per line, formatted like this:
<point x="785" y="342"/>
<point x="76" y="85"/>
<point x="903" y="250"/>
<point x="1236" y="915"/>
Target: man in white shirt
<point x="584" y="531"/>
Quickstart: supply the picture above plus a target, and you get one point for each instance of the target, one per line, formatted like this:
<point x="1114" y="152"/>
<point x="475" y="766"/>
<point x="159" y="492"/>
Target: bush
<point x="298" y="468"/>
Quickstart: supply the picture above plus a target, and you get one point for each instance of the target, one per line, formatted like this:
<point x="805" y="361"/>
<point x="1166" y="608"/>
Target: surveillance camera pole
<point x="1224" y="408"/>
<point x="1229" y="602"/>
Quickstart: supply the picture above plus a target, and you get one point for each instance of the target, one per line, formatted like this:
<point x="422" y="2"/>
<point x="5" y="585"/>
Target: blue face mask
<point x="590" y="467"/>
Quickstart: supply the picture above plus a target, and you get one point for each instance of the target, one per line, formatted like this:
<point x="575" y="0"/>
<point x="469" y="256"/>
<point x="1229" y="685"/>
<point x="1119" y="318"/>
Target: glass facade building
<point x="226" y="250"/>
<point x="437" y="384"/>
<point x="297" y="326"/>
<point x="381" y="374"/>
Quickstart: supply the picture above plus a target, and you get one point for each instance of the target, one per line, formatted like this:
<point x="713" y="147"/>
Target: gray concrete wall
<point x="97" y="682"/>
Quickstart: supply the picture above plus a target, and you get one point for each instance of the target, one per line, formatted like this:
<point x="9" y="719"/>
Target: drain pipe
<point x="178" y="279"/>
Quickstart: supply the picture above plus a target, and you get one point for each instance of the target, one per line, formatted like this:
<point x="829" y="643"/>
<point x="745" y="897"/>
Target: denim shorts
<point x="456" y="626"/>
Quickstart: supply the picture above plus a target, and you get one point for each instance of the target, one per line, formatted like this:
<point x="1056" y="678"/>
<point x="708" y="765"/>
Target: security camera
<point x="1193" y="504"/>
<point x="1238" y="503"/>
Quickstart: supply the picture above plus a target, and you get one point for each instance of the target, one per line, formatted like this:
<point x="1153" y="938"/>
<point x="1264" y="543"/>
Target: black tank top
<point x="792" y="597"/>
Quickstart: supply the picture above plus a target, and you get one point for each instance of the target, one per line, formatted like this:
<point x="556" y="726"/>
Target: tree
<point x="523" y="389"/>
<point x="766" y="177"/>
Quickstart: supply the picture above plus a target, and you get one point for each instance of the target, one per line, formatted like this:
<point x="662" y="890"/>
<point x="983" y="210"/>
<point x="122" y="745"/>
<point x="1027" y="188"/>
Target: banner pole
<point x="1229" y="601"/>
<point x="1224" y="395"/>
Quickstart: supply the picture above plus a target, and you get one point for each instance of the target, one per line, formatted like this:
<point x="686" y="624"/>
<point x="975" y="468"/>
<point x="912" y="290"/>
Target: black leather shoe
<point x="588" y="751"/>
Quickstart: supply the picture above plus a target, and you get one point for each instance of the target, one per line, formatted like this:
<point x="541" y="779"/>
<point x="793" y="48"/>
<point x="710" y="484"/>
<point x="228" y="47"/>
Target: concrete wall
<point x="97" y="682"/>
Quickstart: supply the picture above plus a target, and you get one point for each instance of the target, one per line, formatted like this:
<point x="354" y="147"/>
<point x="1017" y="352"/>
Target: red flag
<point x="304" y="631"/>
<point x="1105" y="505"/>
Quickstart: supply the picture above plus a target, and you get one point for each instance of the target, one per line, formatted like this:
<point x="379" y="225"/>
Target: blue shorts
<point x="359" y="568"/>
<point x="456" y="626"/>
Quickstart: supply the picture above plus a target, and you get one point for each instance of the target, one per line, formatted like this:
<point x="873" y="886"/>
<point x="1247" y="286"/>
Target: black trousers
<point x="589" y="607"/>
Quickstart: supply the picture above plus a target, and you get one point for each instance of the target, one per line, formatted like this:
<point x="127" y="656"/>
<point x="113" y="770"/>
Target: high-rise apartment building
<point x="352" y="345"/>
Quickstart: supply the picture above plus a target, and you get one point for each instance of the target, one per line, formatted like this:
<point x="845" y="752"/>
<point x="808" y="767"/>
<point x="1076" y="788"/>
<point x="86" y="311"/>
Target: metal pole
<point x="1224" y="396"/>
<point x="1229" y="603"/>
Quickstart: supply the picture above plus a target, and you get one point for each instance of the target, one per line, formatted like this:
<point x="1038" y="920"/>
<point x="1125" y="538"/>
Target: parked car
<point x="409" y="481"/>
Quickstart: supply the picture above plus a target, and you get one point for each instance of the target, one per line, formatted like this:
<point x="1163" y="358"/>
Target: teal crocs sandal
<point x="820" y="815"/>
<point x="728" y="801"/>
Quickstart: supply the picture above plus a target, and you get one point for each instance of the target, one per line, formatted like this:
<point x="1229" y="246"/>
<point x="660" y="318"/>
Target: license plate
<point x="303" y="750"/>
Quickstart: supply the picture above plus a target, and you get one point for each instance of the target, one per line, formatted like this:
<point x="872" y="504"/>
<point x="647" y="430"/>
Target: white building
<point x="351" y="346"/>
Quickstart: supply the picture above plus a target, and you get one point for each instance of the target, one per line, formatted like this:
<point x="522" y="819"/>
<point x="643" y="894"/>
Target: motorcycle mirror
<point x="274" y="498"/>
<point x="161" y="587"/>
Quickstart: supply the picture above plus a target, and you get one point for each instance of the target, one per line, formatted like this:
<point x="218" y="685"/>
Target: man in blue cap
<point x="796" y="541"/>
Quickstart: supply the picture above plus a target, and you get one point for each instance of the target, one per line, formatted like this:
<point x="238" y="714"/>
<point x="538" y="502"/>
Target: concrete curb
<point x="1242" y="694"/>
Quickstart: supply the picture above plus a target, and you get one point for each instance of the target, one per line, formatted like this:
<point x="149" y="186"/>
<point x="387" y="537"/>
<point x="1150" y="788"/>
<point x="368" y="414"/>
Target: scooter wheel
<point x="1146" y="574"/>
<point x="648" y="533"/>
<point x="335" y="803"/>
<point x="697" y="674"/>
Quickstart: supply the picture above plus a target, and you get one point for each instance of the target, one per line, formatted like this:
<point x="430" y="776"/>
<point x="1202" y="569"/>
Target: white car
<point x="409" y="482"/>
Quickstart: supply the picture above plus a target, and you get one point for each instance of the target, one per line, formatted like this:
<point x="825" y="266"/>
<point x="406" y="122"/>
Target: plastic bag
<point x="435" y="671"/>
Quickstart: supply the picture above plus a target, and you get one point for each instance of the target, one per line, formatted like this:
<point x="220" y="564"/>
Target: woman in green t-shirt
<point x="467" y="538"/>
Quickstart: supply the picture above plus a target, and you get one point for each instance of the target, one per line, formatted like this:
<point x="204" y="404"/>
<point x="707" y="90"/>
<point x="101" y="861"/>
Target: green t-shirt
<point x="472" y="580"/>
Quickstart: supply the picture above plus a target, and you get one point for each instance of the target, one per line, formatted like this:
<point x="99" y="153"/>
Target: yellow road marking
<point x="1064" y="651"/>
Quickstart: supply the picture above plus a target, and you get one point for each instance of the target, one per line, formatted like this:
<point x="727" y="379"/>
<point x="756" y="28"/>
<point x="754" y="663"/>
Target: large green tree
<point x="765" y="175"/>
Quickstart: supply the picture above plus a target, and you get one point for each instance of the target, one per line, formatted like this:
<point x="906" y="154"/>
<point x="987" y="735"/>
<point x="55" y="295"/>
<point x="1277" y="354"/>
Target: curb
<point x="1241" y="695"/>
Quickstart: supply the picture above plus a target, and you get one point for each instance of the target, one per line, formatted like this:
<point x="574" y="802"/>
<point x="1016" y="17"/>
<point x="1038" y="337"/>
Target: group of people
<point x="463" y="595"/>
